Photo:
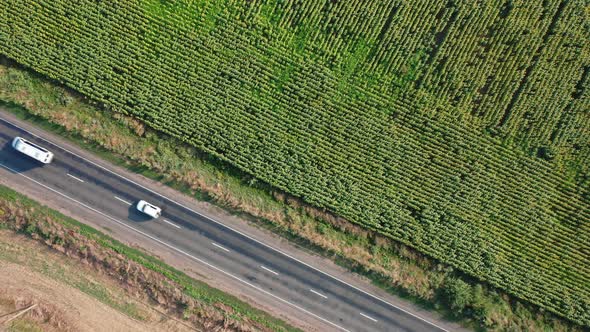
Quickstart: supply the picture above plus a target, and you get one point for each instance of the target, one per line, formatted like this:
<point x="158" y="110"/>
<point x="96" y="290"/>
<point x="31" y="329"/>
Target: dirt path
<point x="67" y="293"/>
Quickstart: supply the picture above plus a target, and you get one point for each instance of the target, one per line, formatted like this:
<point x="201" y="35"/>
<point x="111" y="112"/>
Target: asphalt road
<point x="268" y="270"/>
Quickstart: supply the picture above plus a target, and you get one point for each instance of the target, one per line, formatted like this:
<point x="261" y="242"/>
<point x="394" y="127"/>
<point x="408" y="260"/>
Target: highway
<point x="271" y="272"/>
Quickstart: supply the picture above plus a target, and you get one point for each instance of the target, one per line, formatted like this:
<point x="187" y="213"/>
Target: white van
<point x="32" y="150"/>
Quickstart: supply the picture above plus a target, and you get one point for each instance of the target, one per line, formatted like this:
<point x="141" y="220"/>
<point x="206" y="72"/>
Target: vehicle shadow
<point x="16" y="161"/>
<point x="136" y="216"/>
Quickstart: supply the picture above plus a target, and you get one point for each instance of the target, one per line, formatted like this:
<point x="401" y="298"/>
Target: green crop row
<point x="316" y="99"/>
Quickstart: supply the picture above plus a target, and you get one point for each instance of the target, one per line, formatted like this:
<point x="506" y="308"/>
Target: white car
<point x="149" y="209"/>
<point x="32" y="150"/>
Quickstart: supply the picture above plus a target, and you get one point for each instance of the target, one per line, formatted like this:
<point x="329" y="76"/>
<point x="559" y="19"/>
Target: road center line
<point x="75" y="178"/>
<point x="171" y="223"/>
<point x="180" y="251"/>
<point x="319" y="294"/>
<point x="369" y="317"/>
<point x="122" y="200"/>
<point x="220" y="247"/>
<point x="269" y="270"/>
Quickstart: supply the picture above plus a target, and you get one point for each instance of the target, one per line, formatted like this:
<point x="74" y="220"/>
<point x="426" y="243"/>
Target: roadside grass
<point x="196" y="289"/>
<point x="65" y="273"/>
<point x="102" y="294"/>
<point x="390" y="265"/>
<point x="23" y="325"/>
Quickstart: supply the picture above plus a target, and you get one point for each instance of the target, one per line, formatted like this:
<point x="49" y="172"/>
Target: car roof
<point x="150" y="208"/>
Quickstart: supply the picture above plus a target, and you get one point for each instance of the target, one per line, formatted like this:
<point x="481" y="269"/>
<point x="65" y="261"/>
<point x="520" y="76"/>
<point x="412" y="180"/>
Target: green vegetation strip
<point x="37" y="215"/>
<point x="322" y="104"/>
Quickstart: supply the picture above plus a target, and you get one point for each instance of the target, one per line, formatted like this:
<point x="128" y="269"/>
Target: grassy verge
<point x="158" y="279"/>
<point x="23" y="326"/>
<point x="68" y="275"/>
<point x="393" y="266"/>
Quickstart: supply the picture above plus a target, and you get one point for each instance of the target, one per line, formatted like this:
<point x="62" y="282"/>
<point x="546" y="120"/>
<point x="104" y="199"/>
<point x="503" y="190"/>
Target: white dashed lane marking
<point x="269" y="270"/>
<point x="318" y="294"/>
<point x="369" y="317"/>
<point x="75" y="178"/>
<point x="219" y="246"/>
<point x="122" y="200"/>
<point x="171" y="223"/>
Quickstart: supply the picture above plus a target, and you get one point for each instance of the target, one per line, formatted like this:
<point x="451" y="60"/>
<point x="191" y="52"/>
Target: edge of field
<point x="65" y="294"/>
<point x="394" y="267"/>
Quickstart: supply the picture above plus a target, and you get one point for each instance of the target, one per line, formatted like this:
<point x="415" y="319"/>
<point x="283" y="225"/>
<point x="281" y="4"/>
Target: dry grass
<point x="67" y="294"/>
<point x="45" y="316"/>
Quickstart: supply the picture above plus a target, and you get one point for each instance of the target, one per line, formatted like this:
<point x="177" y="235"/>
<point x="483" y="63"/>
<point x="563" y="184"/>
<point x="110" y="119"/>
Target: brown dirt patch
<point x="31" y="275"/>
